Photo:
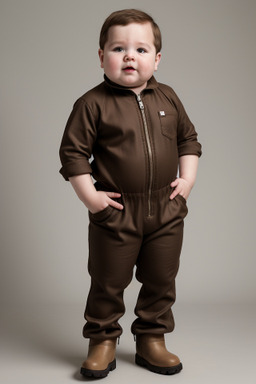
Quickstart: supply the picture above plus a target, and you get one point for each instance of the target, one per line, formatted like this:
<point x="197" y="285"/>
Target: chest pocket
<point x="169" y="122"/>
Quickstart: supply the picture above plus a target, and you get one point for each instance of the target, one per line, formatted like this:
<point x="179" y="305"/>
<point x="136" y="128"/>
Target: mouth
<point x="129" y="69"/>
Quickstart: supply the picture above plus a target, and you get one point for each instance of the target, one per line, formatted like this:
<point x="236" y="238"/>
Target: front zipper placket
<point x="150" y="153"/>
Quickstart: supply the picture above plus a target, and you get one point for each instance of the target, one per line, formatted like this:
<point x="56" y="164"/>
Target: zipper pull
<point x="141" y="105"/>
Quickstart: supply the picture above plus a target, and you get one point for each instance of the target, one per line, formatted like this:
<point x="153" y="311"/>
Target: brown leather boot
<point x="100" y="359"/>
<point x="153" y="355"/>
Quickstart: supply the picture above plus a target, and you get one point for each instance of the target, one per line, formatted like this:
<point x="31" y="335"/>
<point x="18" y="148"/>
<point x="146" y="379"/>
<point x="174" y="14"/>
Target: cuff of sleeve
<point x="73" y="169"/>
<point x="193" y="148"/>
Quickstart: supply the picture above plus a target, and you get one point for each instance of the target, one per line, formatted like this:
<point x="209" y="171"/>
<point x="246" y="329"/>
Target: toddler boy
<point x="139" y="135"/>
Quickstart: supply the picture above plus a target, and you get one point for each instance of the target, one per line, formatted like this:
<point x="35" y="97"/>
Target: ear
<point x="101" y="56"/>
<point x="157" y="60"/>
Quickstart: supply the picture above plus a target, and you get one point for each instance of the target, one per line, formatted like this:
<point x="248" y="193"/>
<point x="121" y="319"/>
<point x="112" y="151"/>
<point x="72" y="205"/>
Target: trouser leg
<point x="157" y="267"/>
<point x="119" y="240"/>
<point x="112" y="256"/>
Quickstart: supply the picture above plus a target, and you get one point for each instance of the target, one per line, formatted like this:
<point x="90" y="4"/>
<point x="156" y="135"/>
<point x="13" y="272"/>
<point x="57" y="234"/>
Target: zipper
<point x="150" y="154"/>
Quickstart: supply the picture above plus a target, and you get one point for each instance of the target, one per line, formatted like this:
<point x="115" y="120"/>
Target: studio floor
<point x="43" y="344"/>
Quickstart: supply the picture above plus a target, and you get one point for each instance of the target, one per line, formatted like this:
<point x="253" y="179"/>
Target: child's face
<point x="129" y="56"/>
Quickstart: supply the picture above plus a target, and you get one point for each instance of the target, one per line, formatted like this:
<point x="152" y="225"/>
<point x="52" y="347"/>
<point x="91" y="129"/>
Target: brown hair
<point x="128" y="16"/>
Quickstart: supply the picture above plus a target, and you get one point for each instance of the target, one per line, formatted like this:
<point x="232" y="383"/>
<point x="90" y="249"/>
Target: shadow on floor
<point x="53" y="334"/>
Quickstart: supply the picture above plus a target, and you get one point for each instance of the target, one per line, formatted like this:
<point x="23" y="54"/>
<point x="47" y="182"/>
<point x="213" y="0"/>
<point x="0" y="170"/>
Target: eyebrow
<point x="122" y="43"/>
<point x="117" y="43"/>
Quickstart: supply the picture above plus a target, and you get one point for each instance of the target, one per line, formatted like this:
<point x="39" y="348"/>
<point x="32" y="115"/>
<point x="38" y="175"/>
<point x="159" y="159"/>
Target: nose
<point x="129" y="57"/>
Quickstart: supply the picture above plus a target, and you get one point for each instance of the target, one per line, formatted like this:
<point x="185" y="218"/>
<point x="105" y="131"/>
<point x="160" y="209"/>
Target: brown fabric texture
<point x="136" y="142"/>
<point x="121" y="240"/>
<point x="107" y="123"/>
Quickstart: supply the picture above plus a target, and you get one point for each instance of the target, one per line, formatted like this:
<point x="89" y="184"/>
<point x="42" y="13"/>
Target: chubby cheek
<point x="112" y="64"/>
<point x="147" y="68"/>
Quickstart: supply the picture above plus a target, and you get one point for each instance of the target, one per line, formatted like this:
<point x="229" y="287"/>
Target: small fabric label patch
<point x="162" y="113"/>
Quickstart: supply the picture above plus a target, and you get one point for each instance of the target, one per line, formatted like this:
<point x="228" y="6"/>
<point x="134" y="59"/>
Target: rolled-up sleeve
<point x="77" y="141"/>
<point x="186" y="136"/>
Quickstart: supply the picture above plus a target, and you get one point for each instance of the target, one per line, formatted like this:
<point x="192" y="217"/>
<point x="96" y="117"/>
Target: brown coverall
<point x="136" y="142"/>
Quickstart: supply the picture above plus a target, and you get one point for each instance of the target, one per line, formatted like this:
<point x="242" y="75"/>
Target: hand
<point x="100" y="200"/>
<point x="182" y="187"/>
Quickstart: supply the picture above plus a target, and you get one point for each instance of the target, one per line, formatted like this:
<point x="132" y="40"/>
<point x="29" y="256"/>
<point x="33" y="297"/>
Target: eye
<point x="118" y="49"/>
<point x="141" y="50"/>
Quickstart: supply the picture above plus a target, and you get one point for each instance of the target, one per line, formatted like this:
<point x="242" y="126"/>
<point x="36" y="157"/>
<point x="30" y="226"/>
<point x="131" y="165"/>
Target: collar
<point x="151" y="84"/>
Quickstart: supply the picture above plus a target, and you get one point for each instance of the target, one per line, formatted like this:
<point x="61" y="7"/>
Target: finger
<point x="115" y="204"/>
<point x="174" y="193"/>
<point x="113" y="194"/>
<point x="175" y="183"/>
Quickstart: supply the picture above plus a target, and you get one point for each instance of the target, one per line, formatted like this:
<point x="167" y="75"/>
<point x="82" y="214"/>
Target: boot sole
<point x="154" y="368"/>
<point x="98" y="373"/>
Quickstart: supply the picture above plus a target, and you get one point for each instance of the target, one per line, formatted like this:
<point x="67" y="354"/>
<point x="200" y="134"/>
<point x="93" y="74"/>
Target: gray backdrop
<point x="48" y="59"/>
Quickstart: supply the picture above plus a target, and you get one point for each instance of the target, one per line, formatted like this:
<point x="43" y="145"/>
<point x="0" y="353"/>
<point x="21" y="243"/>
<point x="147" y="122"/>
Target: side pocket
<point x="183" y="205"/>
<point x="178" y="207"/>
<point x="182" y="199"/>
<point x="101" y="215"/>
<point x="169" y="124"/>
